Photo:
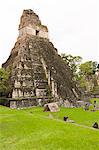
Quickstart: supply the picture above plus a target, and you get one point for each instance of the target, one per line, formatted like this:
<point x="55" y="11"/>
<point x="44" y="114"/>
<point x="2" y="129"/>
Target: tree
<point x="87" y="77"/>
<point x="4" y="75"/>
<point x="88" y="68"/>
<point x="73" y="62"/>
<point x="84" y="73"/>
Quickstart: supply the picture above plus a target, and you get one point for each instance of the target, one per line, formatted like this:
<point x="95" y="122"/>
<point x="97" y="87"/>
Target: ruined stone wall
<point x="29" y="102"/>
<point x="31" y="25"/>
<point x="40" y="71"/>
<point x="28" y="77"/>
<point x="36" y="68"/>
<point x="97" y="76"/>
<point x="51" y="81"/>
<point x="29" y="17"/>
<point x="28" y="30"/>
<point x="43" y="32"/>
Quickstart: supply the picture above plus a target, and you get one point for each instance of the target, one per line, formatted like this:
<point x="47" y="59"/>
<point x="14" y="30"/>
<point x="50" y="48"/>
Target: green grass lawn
<point x="33" y="129"/>
<point x="94" y="99"/>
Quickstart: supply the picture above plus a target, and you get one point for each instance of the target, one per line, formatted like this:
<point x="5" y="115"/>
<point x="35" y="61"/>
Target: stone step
<point x="41" y="83"/>
<point x="39" y="76"/>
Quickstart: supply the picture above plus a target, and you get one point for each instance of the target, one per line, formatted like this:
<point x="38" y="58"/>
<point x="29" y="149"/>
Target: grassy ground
<point x="94" y="99"/>
<point x="33" y="129"/>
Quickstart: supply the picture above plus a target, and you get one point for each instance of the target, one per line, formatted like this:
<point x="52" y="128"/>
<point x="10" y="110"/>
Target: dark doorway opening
<point x="37" y="32"/>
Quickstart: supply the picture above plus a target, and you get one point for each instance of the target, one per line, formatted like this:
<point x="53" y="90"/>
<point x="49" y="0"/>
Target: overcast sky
<point x="73" y="25"/>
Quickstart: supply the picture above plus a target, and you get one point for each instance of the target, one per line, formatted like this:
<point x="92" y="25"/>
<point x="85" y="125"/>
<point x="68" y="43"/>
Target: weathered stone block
<point x="13" y="104"/>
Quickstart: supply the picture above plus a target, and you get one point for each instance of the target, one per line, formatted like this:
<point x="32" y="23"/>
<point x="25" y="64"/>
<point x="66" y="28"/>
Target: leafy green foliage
<point x="84" y="73"/>
<point x="94" y="99"/>
<point x="87" y="75"/>
<point x="88" y="68"/>
<point x="4" y="75"/>
<point x="72" y="61"/>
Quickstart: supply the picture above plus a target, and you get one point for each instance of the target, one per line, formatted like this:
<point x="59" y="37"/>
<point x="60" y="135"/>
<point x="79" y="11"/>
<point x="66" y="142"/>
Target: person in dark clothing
<point x="65" y="118"/>
<point x="87" y="106"/>
<point x="95" y="125"/>
<point x="94" y="104"/>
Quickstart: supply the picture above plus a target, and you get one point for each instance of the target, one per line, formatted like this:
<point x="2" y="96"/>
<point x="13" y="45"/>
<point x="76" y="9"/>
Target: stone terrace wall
<point x="30" y="102"/>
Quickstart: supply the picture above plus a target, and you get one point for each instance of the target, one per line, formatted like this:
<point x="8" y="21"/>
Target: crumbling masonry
<point x="36" y="68"/>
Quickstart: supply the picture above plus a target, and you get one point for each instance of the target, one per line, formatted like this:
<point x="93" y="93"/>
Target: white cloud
<point x="72" y="25"/>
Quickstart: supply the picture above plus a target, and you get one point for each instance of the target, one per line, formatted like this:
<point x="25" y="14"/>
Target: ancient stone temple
<point x="36" y="68"/>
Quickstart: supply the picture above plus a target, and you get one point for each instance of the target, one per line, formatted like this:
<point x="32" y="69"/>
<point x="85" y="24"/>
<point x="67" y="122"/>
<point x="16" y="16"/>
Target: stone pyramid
<point x="37" y="70"/>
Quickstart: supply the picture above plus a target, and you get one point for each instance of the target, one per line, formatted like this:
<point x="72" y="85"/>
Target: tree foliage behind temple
<point x="84" y="73"/>
<point x="4" y="75"/>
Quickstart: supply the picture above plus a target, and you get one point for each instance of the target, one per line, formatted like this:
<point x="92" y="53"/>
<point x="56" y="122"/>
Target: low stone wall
<point x="24" y="103"/>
